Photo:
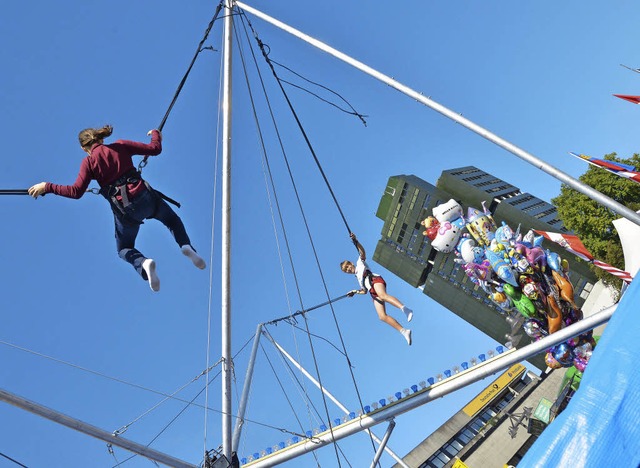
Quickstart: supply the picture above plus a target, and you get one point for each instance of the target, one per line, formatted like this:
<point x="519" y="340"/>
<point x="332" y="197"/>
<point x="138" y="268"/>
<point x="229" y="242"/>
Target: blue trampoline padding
<point x="601" y="425"/>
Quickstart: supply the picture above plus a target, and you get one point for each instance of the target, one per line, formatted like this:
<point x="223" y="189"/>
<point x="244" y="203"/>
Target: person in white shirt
<point x="377" y="288"/>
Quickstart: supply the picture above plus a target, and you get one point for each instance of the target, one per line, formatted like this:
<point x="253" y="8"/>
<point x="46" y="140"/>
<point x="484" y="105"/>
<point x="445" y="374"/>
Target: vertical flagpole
<point x="226" y="235"/>
<point x="456" y="117"/>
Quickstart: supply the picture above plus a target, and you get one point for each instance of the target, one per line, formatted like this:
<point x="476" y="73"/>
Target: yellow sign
<point x="459" y="464"/>
<point x="492" y="390"/>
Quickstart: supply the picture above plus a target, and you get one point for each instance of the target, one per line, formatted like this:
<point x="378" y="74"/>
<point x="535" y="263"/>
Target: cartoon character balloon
<point x="481" y="226"/>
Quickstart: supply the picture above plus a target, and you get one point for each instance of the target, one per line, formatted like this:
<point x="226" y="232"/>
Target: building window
<point x="412" y="241"/>
<point x="403" y="193"/>
<point x="497" y="189"/>
<point x="401" y="234"/>
<point x="413" y="199"/>
<point x="426" y="202"/>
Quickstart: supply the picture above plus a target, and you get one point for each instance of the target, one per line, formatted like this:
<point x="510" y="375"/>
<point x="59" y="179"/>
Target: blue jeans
<point x="147" y="205"/>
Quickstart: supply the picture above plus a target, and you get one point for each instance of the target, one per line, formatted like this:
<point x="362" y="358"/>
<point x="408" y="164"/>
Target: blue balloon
<point x="563" y="353"/>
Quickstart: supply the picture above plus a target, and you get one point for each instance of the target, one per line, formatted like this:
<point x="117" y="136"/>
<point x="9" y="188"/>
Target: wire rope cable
<point x="261" y="46"/>
<point x="266" y="159"/>
<point x="200" y="48"/>
<point x="211" y="248"/>
<point x="12" y="460"/>
<point x="287" y="396"/>
<point x="315" y="360"/>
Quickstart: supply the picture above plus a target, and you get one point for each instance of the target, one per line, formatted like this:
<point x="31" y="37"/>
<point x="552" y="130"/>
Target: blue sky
<point x="540" y="75"/>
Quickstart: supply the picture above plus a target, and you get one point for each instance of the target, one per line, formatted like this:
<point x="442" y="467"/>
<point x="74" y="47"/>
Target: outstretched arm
<point x="358" y="245"/>
<point x="76" y="190"/>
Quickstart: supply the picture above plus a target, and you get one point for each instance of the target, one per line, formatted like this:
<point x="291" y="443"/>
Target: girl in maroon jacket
<point x="132" y="199"/>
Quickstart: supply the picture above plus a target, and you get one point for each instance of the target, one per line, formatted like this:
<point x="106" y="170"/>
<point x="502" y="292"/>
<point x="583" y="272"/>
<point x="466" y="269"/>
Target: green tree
<point x="592" y="222"/>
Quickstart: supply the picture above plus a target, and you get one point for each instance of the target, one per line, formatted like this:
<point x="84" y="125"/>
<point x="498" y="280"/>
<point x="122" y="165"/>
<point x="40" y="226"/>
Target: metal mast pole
<point x="93" y="431"/>
<point x="226" y="235"/>
<point x="522" y="154"/>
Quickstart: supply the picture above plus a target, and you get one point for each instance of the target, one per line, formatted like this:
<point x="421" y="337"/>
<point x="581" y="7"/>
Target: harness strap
<point x="164" y="197"/>
<point x="119" y="188"/>
<point x="368" y="275"/>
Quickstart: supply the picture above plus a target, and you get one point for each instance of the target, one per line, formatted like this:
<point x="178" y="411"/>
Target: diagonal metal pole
<point x="483" y="132"/>
<point x="245" y="391"/>
<point x="93" y="431"/>
<point x="433" y="392"/>
<point x="332" y="398"/>
<point x="383" y="443"/>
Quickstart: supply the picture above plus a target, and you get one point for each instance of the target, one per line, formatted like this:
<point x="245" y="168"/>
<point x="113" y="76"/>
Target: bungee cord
<point x="292" y="318"/>
<point x="282" y="223"/>
<point x="261" y="46"/>
<point x="199" y="49"/>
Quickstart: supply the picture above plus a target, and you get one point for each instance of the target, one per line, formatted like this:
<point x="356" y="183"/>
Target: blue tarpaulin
<point x="601" y="425"/>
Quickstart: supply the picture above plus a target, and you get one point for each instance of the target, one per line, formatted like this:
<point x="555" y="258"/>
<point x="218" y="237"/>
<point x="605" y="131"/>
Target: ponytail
<point x="90" y="136"/>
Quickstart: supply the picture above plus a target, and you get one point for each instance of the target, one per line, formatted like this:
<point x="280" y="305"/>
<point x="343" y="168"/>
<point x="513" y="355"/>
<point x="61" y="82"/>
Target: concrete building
<point x="498" y="426"/>
<point x="406" y="252"/>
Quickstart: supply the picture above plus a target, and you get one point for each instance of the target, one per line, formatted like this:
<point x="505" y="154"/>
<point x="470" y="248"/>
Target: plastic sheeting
<point x="601" y="425"/>
<point x="629" y="234"/>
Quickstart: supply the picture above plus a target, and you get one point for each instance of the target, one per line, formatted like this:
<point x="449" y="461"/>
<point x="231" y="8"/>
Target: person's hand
<point x="150" y="132"/>
<point x="353" y="237"/>
<point x="37" y="190"/>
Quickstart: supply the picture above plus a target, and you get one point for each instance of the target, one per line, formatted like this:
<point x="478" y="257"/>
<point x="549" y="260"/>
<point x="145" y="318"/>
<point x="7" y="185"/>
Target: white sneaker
<point x="149" y="266"/>
<point x="408" y="312"/>
<point x="196" y="259"/>
<point x="407" y="335"/>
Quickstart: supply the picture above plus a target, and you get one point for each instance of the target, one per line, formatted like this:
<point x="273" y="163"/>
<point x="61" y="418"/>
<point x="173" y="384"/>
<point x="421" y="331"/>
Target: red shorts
<point x="376" y="280"/>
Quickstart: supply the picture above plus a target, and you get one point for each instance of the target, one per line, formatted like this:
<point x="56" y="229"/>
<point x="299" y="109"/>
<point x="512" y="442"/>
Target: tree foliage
<point x="592" y="222"/>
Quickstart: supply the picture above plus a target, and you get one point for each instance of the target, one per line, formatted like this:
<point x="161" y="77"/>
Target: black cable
<point x="261" y="45"/>
<point x="286" y="362"/>
<point x="191" y="402"/>
<point x="287" y="397"/>
<point x="350" y="366"/>
<point x="297" y="119"/>
<point x="353" y="111"/>
<point x="14" y="192"/>
<point x="11" y="459"/>
<point x="291" y="318"/>
<point x="315" y="361"/>
<point x="200" y="48"/>
<point x="320" y="338"/>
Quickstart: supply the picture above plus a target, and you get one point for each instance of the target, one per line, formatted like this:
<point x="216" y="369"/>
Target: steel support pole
<point x="225" y="255"/>
<point x="93" y="431"/>
<point x="456" y="117"/>
<point x="383" y="444"/>
<point x="244" y="398"/>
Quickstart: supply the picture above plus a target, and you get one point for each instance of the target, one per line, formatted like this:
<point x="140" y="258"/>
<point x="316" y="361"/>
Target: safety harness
<point x="118" y="197"/>
<point x="368" y="276"/>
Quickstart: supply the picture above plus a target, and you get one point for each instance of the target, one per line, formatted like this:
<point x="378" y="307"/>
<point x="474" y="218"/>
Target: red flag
<point x="634" y="99"/>
<point x="573" y="244"/>
<point x="570" y="242"/>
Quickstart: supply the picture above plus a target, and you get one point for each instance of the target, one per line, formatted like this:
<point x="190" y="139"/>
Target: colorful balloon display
<point x="516" y="273"/>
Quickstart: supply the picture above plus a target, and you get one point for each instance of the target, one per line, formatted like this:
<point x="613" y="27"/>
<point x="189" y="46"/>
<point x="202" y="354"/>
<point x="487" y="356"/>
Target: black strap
<point x="368" y="276"/>
<point x="166" y="198"/>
